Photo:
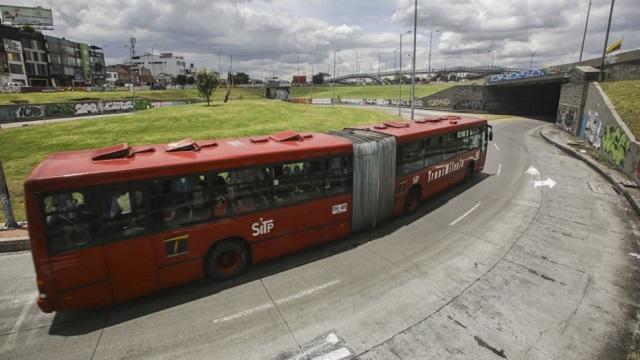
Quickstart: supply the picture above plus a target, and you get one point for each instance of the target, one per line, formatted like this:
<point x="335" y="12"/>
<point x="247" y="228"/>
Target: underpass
<point x="507" y="266"/>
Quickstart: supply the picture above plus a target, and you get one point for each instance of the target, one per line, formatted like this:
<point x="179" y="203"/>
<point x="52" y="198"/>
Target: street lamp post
<point x="413" y="58"/>
<point x="333" y="96"/>
<point x="430" y="43"/>
<point x="584" y="35"/>
<point x="531" y="60"/>
<point x="606" y="40"/>
<point x="400" y="74"/>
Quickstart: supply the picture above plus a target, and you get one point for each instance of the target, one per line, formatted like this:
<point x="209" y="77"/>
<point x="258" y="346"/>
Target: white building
<point x="17" y="73"/>
<point x="112" y="78"/>
<point x="165" y="63"/>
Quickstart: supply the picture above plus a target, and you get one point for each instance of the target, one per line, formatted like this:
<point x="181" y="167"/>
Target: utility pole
<point x="5" y="199"/>
<point x="400" y="74"/>
<point x="378" y="64"/>
<point x="430" y="43"/>
<point x="219" y="64"/>
<point x="413" y="58"/>
<point x="606" y="40"/>
<point x="584" y="36"/>
<point x="312" y="83"/>
<point x="531" y="61"/>
<point x="298" y="62"/>
<point x="333" y="96"/>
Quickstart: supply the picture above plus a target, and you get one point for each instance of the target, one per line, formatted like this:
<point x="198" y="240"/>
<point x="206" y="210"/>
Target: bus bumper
<point x="44" y="304"/>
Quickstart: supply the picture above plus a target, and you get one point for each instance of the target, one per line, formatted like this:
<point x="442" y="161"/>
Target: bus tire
<point x="226" y="259"/>
<point x="412" y="200"/>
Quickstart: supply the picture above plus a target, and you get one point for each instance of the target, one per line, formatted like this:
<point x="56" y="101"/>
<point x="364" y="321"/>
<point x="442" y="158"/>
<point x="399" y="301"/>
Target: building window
<point x="31" y="69"/>
<point x="16" y="69"/>
<point x="42" y="69"/>
<point x="14" y="56"/>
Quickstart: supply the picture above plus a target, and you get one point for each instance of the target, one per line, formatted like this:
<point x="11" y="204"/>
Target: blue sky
<point x="269" y="36"/>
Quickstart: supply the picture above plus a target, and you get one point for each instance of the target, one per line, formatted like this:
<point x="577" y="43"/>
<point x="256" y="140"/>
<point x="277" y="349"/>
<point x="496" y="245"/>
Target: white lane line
<point x="465" y="214"/>
<point x="307" y="292"/>
<point x="499" y="169"/>
<point x="496" y="146"/>
<point x="266" y="306"/>
<point x="10" y="341"/>
<point x="338" y="354"/>
<point x="243" y="313"/>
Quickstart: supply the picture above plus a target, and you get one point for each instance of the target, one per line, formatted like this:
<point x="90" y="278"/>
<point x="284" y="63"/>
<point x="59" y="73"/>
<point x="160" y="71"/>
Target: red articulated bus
<point x="117" y="223"/>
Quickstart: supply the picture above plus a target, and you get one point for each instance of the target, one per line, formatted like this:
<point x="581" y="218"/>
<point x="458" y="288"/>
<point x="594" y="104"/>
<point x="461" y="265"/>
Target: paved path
<point x="504" y="267"/>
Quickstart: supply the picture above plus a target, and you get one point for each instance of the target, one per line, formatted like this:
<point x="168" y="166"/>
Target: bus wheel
<point x="226" y="260"/>
<point x="412" y="200"/>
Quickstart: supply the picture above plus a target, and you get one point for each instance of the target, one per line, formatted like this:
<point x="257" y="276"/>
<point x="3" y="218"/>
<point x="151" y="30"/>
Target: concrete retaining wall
<point x="30" y="112"/>
<point x="608" y="134"/>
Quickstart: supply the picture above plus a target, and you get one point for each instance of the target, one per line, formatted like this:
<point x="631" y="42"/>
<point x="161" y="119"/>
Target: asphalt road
<point x="503" y="267"/>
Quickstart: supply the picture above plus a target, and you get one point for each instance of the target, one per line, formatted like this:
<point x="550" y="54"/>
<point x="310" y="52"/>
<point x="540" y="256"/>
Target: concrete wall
<point x="608" y="134"/>
<point x="532" y="99"/>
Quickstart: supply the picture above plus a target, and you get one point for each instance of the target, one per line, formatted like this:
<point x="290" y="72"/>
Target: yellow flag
<point x="615" y="46"/>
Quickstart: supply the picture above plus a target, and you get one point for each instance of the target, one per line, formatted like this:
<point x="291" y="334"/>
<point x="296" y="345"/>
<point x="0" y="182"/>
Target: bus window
<point x="70" y="221"/>
<point x="338" y="175"/>
<point x="246" y="189"/>
<point x="411" y="157"/>
<point x="123" y="214"/>
<point x="434" y="150"/>
<point x="295" y="182"/>
<point x="180" y="201"/>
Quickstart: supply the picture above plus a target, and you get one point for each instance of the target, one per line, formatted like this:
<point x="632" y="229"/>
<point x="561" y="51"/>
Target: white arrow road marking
<point x="499" y="169"/>
<point x="548" y="182"/>
<point x="637" y="256"/>
<point x="532" y="171"/>
<point x="465" y="214"/>
<point x="496" y="146"/>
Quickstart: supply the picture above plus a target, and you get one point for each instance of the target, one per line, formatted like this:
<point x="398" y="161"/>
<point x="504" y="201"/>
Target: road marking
<point x="465" y="214"/>
<point x="266" y="306"/>
<point x="307" y="292"/>
<point x="499" y="169"/>
<point x="496" y="146"/>
<point x="243" y="313"/>
<point x="548" y="182"/>
<point x="637" y="256"/>
<point x="532" y="171"/>
<point x="338" y="354"/>
<point x="10" y="342"/>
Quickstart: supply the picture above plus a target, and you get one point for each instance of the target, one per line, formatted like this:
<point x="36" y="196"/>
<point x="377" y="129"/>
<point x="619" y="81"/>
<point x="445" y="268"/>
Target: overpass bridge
<point x="381" y="76"/>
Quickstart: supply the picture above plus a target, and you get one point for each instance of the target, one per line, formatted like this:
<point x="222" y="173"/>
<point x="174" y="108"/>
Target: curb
<point x="14" y="244"/>
<point x="619" y="188"/>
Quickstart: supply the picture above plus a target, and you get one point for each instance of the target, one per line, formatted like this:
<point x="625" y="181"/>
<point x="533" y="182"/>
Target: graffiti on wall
<point x="615" y="143"/>
<point x="566" y="118"/>
<point x="516" y="75"/>
<point x="444" y="102"/>
<point x="30" y="111"/>
<point x="60" y="109"/>
<point x="91" y="108"/>
<point x="593" y="130"/>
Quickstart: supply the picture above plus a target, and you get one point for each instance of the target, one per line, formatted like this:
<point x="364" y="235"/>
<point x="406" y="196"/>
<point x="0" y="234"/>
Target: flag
<point x="615" y="46"/>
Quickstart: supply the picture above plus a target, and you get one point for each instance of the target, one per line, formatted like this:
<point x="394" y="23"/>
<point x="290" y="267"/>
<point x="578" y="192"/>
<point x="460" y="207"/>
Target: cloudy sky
<point x="272" y="36"/>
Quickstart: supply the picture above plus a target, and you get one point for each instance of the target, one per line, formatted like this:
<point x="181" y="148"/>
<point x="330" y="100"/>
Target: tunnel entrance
<point x="539" y="100"/>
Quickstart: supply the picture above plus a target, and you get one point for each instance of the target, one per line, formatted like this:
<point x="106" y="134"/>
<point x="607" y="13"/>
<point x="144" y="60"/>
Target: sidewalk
<point x="64" y="119"/>
<point x="13" y="240"/>
<point x="576" y="148"/>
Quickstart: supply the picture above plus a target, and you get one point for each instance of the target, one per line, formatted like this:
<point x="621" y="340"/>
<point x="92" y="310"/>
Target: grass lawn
<point x="369" y="91"/>
<point x="625" y="96"/>
<point x="24" y="147"/>
<point x="162" y="95"/>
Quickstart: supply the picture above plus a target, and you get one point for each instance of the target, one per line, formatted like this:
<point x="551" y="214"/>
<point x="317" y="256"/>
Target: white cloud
<point x="270" y="36"/>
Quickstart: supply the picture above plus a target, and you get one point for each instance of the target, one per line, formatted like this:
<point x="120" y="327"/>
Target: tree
<point x="206" y="82"/>
<point x="181" y="79"/>
<point x="240" y="78"/>
<point x="319" y="77"/>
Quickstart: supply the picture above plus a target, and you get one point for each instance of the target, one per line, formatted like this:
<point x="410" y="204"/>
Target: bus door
<point x="71" y="228"/>
<point x="128" y="244"/>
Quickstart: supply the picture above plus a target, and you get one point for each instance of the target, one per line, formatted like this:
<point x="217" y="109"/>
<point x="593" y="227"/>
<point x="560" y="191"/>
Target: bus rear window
<point x="70" y="222"/>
